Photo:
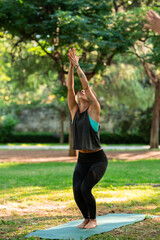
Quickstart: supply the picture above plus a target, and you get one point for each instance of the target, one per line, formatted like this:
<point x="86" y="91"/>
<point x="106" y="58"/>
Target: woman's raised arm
<point x="85" y="84"/>
<point x="72" y="104"/>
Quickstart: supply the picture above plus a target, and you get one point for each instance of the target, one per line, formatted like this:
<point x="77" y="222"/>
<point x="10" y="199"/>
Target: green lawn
<point x="33" y="144"/>
<point x="39" y="195"/>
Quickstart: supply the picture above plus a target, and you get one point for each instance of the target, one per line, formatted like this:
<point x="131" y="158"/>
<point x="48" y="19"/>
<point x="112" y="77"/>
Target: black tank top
<point x="84" y="136"/>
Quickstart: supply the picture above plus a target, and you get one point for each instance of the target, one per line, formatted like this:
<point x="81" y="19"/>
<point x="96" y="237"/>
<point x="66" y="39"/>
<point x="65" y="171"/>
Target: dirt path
<point x="53" y="155"/>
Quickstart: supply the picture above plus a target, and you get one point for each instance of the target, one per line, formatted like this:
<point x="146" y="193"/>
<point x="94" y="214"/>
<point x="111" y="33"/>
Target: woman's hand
<point x="154" y="19"/>
<point x="73" y="57"/>
<point x="70" y="63"/>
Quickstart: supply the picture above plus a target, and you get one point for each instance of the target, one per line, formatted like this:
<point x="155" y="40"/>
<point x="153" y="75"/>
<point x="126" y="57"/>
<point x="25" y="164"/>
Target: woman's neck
<point x="83" y="106"/>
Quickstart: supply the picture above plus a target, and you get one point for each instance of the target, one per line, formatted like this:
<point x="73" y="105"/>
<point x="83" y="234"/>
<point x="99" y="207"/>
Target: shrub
<point x="30" y="137"/>
<point x="7" y="124"/>
<point x="44" y="137"/>
<point x="125" y="138"/>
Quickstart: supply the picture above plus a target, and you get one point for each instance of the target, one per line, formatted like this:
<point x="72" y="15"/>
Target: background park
<point x="121" y="60"/>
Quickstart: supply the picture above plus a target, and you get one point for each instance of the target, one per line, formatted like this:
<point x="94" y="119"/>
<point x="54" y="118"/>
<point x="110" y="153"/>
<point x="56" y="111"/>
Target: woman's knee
<point x="84" y="190"/>
<point x="99" y="171"/>
<point x="76" y="189"/>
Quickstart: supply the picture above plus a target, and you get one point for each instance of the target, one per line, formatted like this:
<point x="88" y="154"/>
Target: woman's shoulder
<point x="74" y="111"/>
<point x="94" y="114"/>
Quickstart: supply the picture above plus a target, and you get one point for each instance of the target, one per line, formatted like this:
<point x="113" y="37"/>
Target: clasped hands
<point x="74" y="59"/>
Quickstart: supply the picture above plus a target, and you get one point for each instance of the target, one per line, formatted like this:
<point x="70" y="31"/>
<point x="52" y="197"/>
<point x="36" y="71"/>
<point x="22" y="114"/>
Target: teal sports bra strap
<point x="94" y="124"/>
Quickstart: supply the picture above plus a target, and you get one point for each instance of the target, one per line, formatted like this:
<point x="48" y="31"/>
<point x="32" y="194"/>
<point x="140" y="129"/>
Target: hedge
<point x="106" y="138"/>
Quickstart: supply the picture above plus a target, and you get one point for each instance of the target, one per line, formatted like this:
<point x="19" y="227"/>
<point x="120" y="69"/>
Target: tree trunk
<point x="154" y="137"/>
<point x="72" y="152"/>
<point x="61" y="76"/>
<point x="62" y="117"/>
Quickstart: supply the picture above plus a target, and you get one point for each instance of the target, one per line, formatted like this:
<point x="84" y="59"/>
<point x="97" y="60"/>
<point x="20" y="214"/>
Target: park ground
<point x="36" y="192"/>
<point x="62" y="155"/>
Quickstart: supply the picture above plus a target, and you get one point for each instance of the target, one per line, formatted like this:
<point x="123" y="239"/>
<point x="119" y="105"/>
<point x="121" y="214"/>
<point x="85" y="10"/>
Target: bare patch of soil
<point x="62" y="156"/>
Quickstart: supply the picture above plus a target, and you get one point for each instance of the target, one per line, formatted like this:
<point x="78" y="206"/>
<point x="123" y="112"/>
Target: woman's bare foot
<point x="91" y="224"/>
<point x="83" y="224"/>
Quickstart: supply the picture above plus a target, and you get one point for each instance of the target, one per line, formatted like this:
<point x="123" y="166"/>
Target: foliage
<point x="26" y="82"/>
<point x="55" y="26"/>
<point x="130" y="4"/>
<point x="7" y="124"/>
<point x="124" y="91"/>
<point x="32" y="137"/>
<point x="144" y="123"/>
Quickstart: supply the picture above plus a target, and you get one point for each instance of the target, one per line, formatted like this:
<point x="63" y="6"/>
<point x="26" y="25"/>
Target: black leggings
<point x="89" y="169"/>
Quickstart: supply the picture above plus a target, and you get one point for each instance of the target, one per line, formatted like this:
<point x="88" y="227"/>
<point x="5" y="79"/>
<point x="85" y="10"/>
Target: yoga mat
<point x="106" y="223"/>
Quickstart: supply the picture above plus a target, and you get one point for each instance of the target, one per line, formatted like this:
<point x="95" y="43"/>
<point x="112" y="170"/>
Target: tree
<point x="147" y="50"/>
<point x="53" y="26"/>
<point x="30" y="81"/>
<point x="124" y="92"/>
<point x="56" y="25"/>
<point x="150" y="58"/>
<point x="126" y="5"/>
<point x="97" y="33"/>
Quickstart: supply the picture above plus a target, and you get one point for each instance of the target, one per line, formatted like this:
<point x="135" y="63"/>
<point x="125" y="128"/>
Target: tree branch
<point x="149" y="72"/>
<point x="49" y="54"/>
<point x="109" y="60"/>
<point x="115" y="5"/>
<point x="13" y="49"/>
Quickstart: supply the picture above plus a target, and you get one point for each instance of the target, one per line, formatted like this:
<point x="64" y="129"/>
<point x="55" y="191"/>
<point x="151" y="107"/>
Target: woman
<point x="154" y="19"/>
<point x="92" y="161"/>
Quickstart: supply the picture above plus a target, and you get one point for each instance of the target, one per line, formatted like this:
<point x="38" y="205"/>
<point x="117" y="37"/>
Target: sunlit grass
<point x="129" y="195"/>
<point x="126" y="195"/>
<point x="33" y="144"/>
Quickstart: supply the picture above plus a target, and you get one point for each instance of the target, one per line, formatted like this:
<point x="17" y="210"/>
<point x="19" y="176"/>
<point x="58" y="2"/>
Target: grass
<point x="33" y="144"/>
<point x="39" y="195"/>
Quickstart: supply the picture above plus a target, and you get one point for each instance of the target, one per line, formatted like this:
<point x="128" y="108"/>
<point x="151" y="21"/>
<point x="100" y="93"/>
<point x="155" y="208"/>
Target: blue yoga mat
<point x="106" y="223"/>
